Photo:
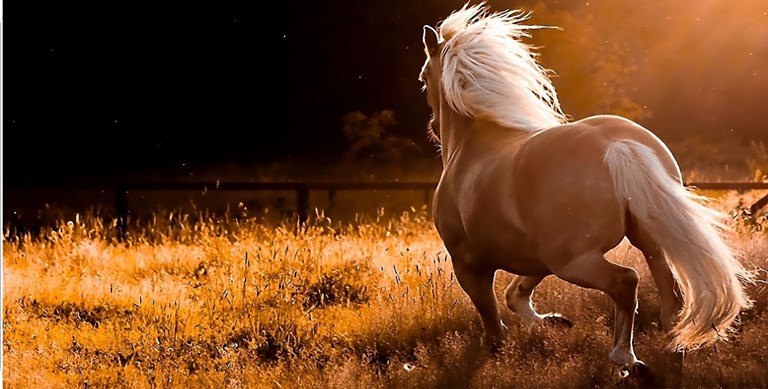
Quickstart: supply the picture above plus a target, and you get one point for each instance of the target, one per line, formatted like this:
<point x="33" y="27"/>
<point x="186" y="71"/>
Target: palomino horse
<point x="525" y="191"/>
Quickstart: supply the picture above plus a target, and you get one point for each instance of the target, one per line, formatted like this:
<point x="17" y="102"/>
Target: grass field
<point x="221" y="302"/>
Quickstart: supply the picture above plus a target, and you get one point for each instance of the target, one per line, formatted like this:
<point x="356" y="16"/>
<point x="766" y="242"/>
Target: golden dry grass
<point x="221" y="302"/>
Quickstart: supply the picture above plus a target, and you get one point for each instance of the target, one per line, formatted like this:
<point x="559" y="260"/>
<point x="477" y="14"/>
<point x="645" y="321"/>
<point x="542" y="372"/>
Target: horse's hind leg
<point x="592" y="270"/>
<point x="671" y="301"/>
<point x="518" y="296"/>
<point x="478" y="285"/>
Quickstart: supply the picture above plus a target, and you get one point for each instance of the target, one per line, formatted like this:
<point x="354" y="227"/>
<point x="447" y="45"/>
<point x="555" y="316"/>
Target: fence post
<point x="121" y="208"/>
<point x="331" y="198"/>
<point x="302" y="202"/>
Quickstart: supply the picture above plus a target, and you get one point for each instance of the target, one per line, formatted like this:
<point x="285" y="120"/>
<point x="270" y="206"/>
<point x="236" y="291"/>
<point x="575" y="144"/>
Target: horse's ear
<point x="430" y="39"/>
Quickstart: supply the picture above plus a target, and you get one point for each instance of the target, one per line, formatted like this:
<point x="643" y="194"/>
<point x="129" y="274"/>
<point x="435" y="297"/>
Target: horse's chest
<point x="484" y="224"/>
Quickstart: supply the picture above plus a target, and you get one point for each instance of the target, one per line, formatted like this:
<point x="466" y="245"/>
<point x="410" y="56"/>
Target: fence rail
<point x="302" y="190"/>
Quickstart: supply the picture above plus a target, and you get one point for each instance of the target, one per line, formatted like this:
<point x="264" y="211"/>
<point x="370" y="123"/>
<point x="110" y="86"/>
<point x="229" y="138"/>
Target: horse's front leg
<point x="477" y="282"/>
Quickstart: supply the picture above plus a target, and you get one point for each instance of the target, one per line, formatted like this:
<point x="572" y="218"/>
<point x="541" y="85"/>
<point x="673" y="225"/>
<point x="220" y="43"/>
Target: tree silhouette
<point x="369" y="137"/>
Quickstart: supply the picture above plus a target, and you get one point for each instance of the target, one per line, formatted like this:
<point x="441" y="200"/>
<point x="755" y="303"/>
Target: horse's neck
<point x="453" y="135"/>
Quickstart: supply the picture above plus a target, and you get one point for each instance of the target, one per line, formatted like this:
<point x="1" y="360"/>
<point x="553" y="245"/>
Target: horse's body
<point x="521" y="192"/>
<point x="524" y="191"/>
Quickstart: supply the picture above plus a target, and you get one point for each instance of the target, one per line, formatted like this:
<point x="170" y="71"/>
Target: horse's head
<point x="430" y="76"/>
<point x="479" y="68"/>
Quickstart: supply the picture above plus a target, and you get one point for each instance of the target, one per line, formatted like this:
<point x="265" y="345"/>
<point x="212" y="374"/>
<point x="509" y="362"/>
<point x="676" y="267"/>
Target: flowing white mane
<point x="489" y="73"/>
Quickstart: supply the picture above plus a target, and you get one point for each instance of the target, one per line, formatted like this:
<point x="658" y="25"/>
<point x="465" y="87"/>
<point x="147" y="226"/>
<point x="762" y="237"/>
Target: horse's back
<point x="564" y="189"/>
<point x="576" y="150"/>
<point x="607" y="129"/>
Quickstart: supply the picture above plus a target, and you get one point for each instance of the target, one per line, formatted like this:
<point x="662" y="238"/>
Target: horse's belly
<point x="524" y="267"/>
<point x="508" y="249"/>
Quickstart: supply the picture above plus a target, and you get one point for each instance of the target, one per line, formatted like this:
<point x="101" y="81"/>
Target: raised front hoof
<point x="636" y="375"/>
<point x="556" y="320"/>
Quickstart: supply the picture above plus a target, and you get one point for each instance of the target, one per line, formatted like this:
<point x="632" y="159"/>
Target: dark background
<point x="100" y="91"/>
<point x="117" y="88"/>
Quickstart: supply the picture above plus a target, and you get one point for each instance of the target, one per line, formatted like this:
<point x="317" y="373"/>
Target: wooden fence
<point x="302" y="190"/>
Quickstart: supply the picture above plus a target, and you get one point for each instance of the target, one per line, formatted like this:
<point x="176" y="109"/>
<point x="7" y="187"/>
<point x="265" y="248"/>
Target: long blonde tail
<point x="706" y="269"/>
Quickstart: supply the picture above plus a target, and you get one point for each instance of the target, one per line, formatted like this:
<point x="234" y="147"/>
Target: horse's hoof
<point x="493" y="345"/>
<point x="637" y="374"/>
<point x="556" y="320"/>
